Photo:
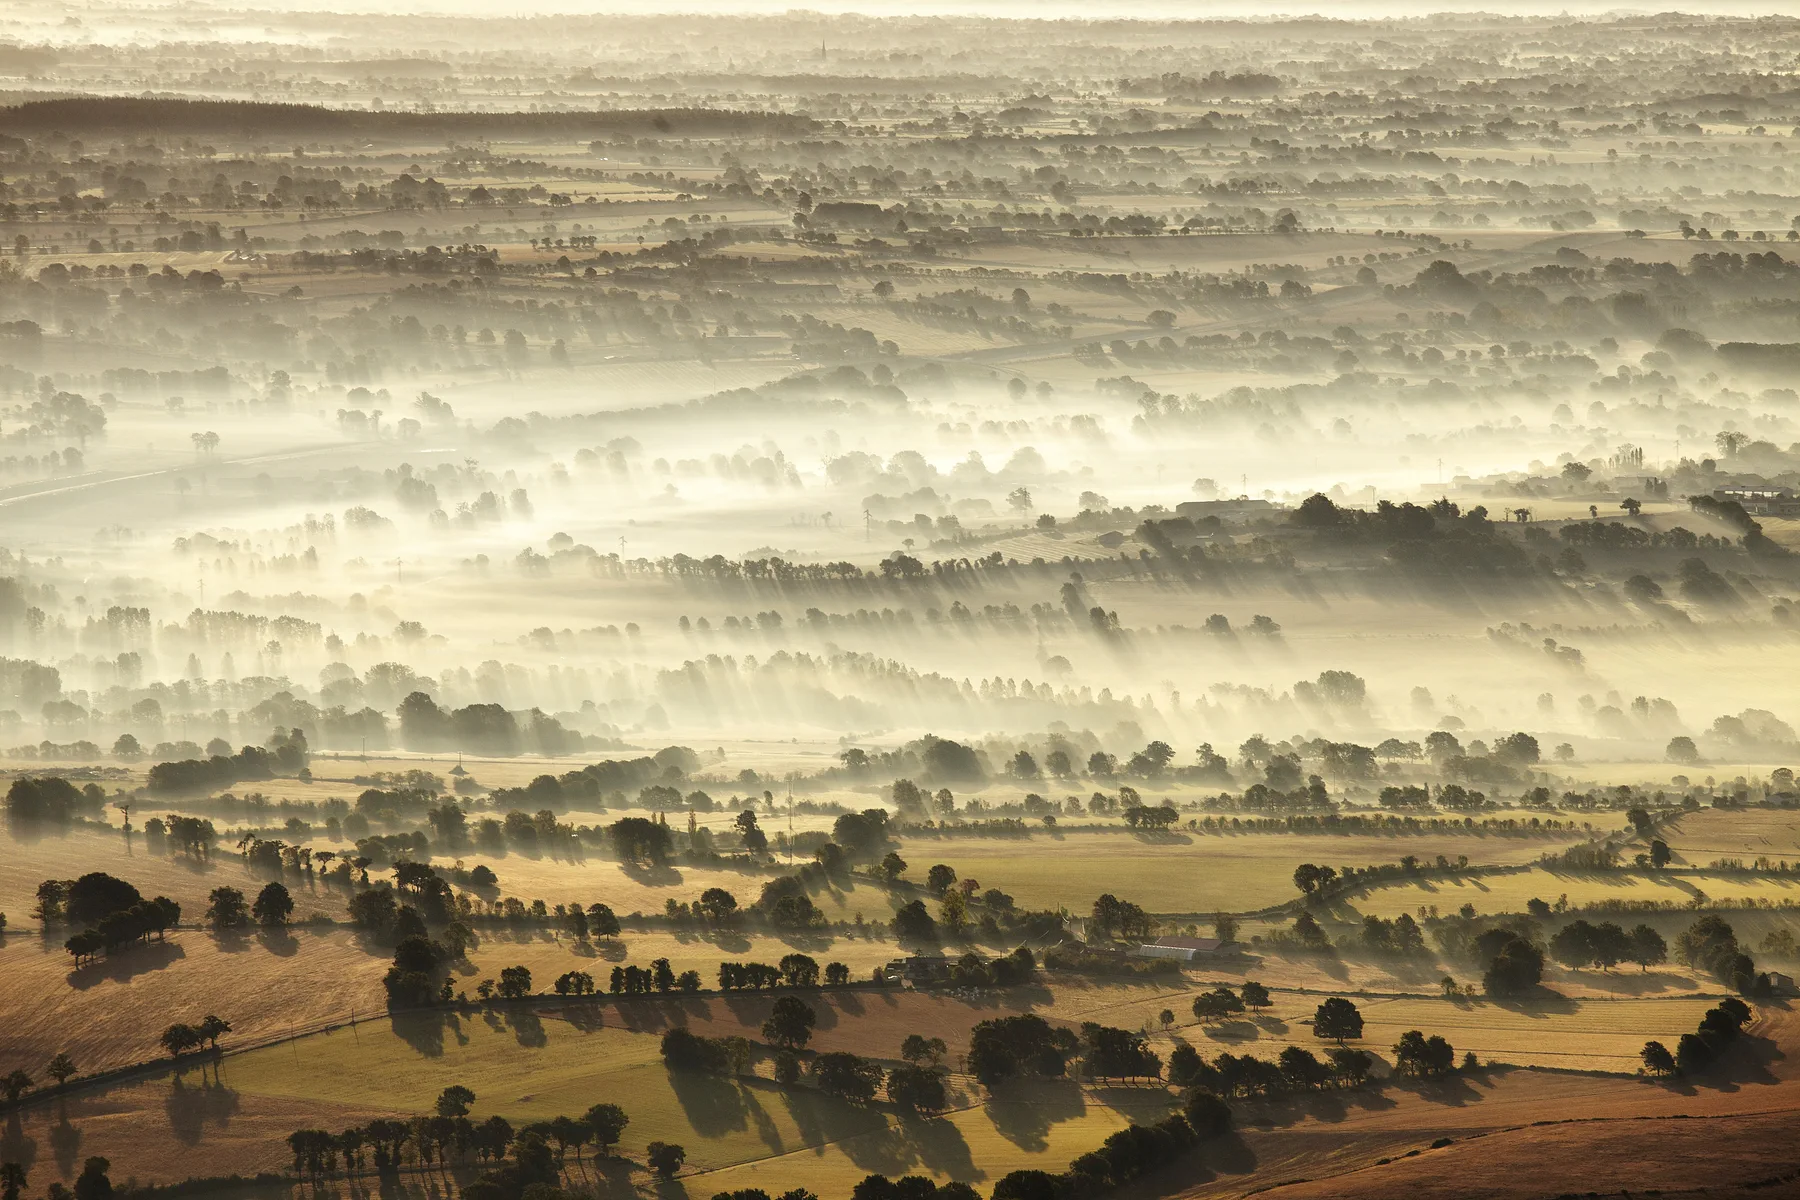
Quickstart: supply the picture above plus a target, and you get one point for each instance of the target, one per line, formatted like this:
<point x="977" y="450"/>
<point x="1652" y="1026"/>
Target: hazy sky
<point x="1058" y="9"/>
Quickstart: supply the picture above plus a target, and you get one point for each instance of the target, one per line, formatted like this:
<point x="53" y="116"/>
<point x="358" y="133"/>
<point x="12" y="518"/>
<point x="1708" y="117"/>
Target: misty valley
<point x="897" y="606"/>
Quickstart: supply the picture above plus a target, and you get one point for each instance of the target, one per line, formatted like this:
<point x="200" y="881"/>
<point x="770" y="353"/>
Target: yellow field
<point x="1195" y="873"/>
<point x="1700" y="837"/>
<point x="527" y="1066"/>
<point x="1509" y="893"/>
<point x="1590" y="1034"/>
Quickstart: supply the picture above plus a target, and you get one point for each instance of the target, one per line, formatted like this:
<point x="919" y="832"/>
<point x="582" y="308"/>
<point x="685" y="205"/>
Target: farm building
<point x="918" y="969"/>
<point x="1183" y="949"/>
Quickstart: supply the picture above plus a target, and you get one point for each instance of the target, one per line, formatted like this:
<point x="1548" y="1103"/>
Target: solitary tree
<point x="665" y="1158"/>
<point x="608" y="1121"/>
<point x="1657" y="1059"/>
<point x="454" y="1101"/>
<point x="790" y="1023"/>
<point x="12" y="1180"/>
<point x="226" y="909"/>
<point x="273" y="906"/>
<point x="1338" y="1019"/>
<point x="61" y="1069"/>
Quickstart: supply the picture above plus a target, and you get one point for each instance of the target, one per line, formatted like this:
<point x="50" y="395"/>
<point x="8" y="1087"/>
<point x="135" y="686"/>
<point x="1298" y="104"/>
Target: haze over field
<point x="933" y="601"/>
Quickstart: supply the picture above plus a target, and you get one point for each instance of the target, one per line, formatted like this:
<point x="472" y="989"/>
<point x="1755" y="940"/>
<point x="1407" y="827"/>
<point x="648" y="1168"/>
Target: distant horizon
<point x="1047" y="10"/>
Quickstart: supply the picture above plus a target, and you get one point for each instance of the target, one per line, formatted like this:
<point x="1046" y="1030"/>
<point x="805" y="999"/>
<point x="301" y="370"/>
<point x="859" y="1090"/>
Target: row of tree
<point x="1719" y="1027"/>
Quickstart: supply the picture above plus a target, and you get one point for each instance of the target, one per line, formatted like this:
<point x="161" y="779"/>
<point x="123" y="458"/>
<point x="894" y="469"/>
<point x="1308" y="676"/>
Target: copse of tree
<point x="1002" y="1048"/>
<point x="1711" y="945"/>
<point x="1423" y="1057"/>
<point x="1516" y="968"/>
<point x="756" y="977"/>
<point x="415" y="979"/>
<point x="1217" y="1004"/>
<point x="141" y="921"/>
<point x="1312" y="879"/>
<point x="684" y="1050"/>
<point x="846" y="1076"/>
<point x="1580" y="944"/>
<point x="641" y="841"/>
<point x="52" y="800"/>
<point x="914" y="924"/>
<point x="1720" y="1026"/>
<point x="880" y="1187"/>
<point x="211" y="774"/>
<point x="180" y="1038"/>
<point x="1109" y="1053"/>
<point x="917" y="1088"/>
<point x="1121" y="919"/>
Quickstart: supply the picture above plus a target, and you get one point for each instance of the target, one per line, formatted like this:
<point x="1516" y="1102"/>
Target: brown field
<point x="1733" y="1156"/>
<point x="538" y="1061"/>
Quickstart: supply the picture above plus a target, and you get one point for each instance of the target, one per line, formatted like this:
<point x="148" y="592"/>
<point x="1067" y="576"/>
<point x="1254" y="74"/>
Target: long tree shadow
<point x="127" y="965"/>
<point x="65" y="1143"/>
<point x="863" y="1134"/>
<point x="527" y="1027"/>
<point x="939" y="1145"/>
<point x="423" y="1029"/>
<point x="16" y="1145"/>
<point x="278" y="941"/>
<point x="714" y="1106"/>
<point x="1023" y="1114"/>
<point x="191" y="1107"/>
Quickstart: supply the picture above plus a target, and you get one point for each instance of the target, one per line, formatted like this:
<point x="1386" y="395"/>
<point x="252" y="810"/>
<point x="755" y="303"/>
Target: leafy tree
<point x="61" y="1069"/>
<point x="1255" y="994"/>
<point x="273" y="906"/>
<point x="1110" y="1053"/>
<point x="1206" y="1114"/>
<point x="914" y="923"/>
<point x="1656" y="1059"/>
<point x="1415" y="1054"/>
<point x="515" y="983"/>
<point x="1003" y="1047"/>
<point x="939" y="879"/>
<point x="454" y="1101"/>
<point x="799" y="970"/>
<point x="1302" y="1069"/>
<point x="1029" y="1184"/>
<point x="92" y="1183"/>
<point x="226" y="909"/>
<point x="1351" y="1066"/>
<point x="790" y="1023"/>
<point x="1647" y="948"/>
<point x="1337" y="1019"/>
<point x="846" y="1076"/>
<point x="919" y="1089"/>
<point x="1516" y="968"/>
<point x="608" y="1122"/>
<point x="1217" y="1004"/>
<point x="13" y="1180"/>
<point x="921" y="1051"/>
<point x="15" y="1083"/>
